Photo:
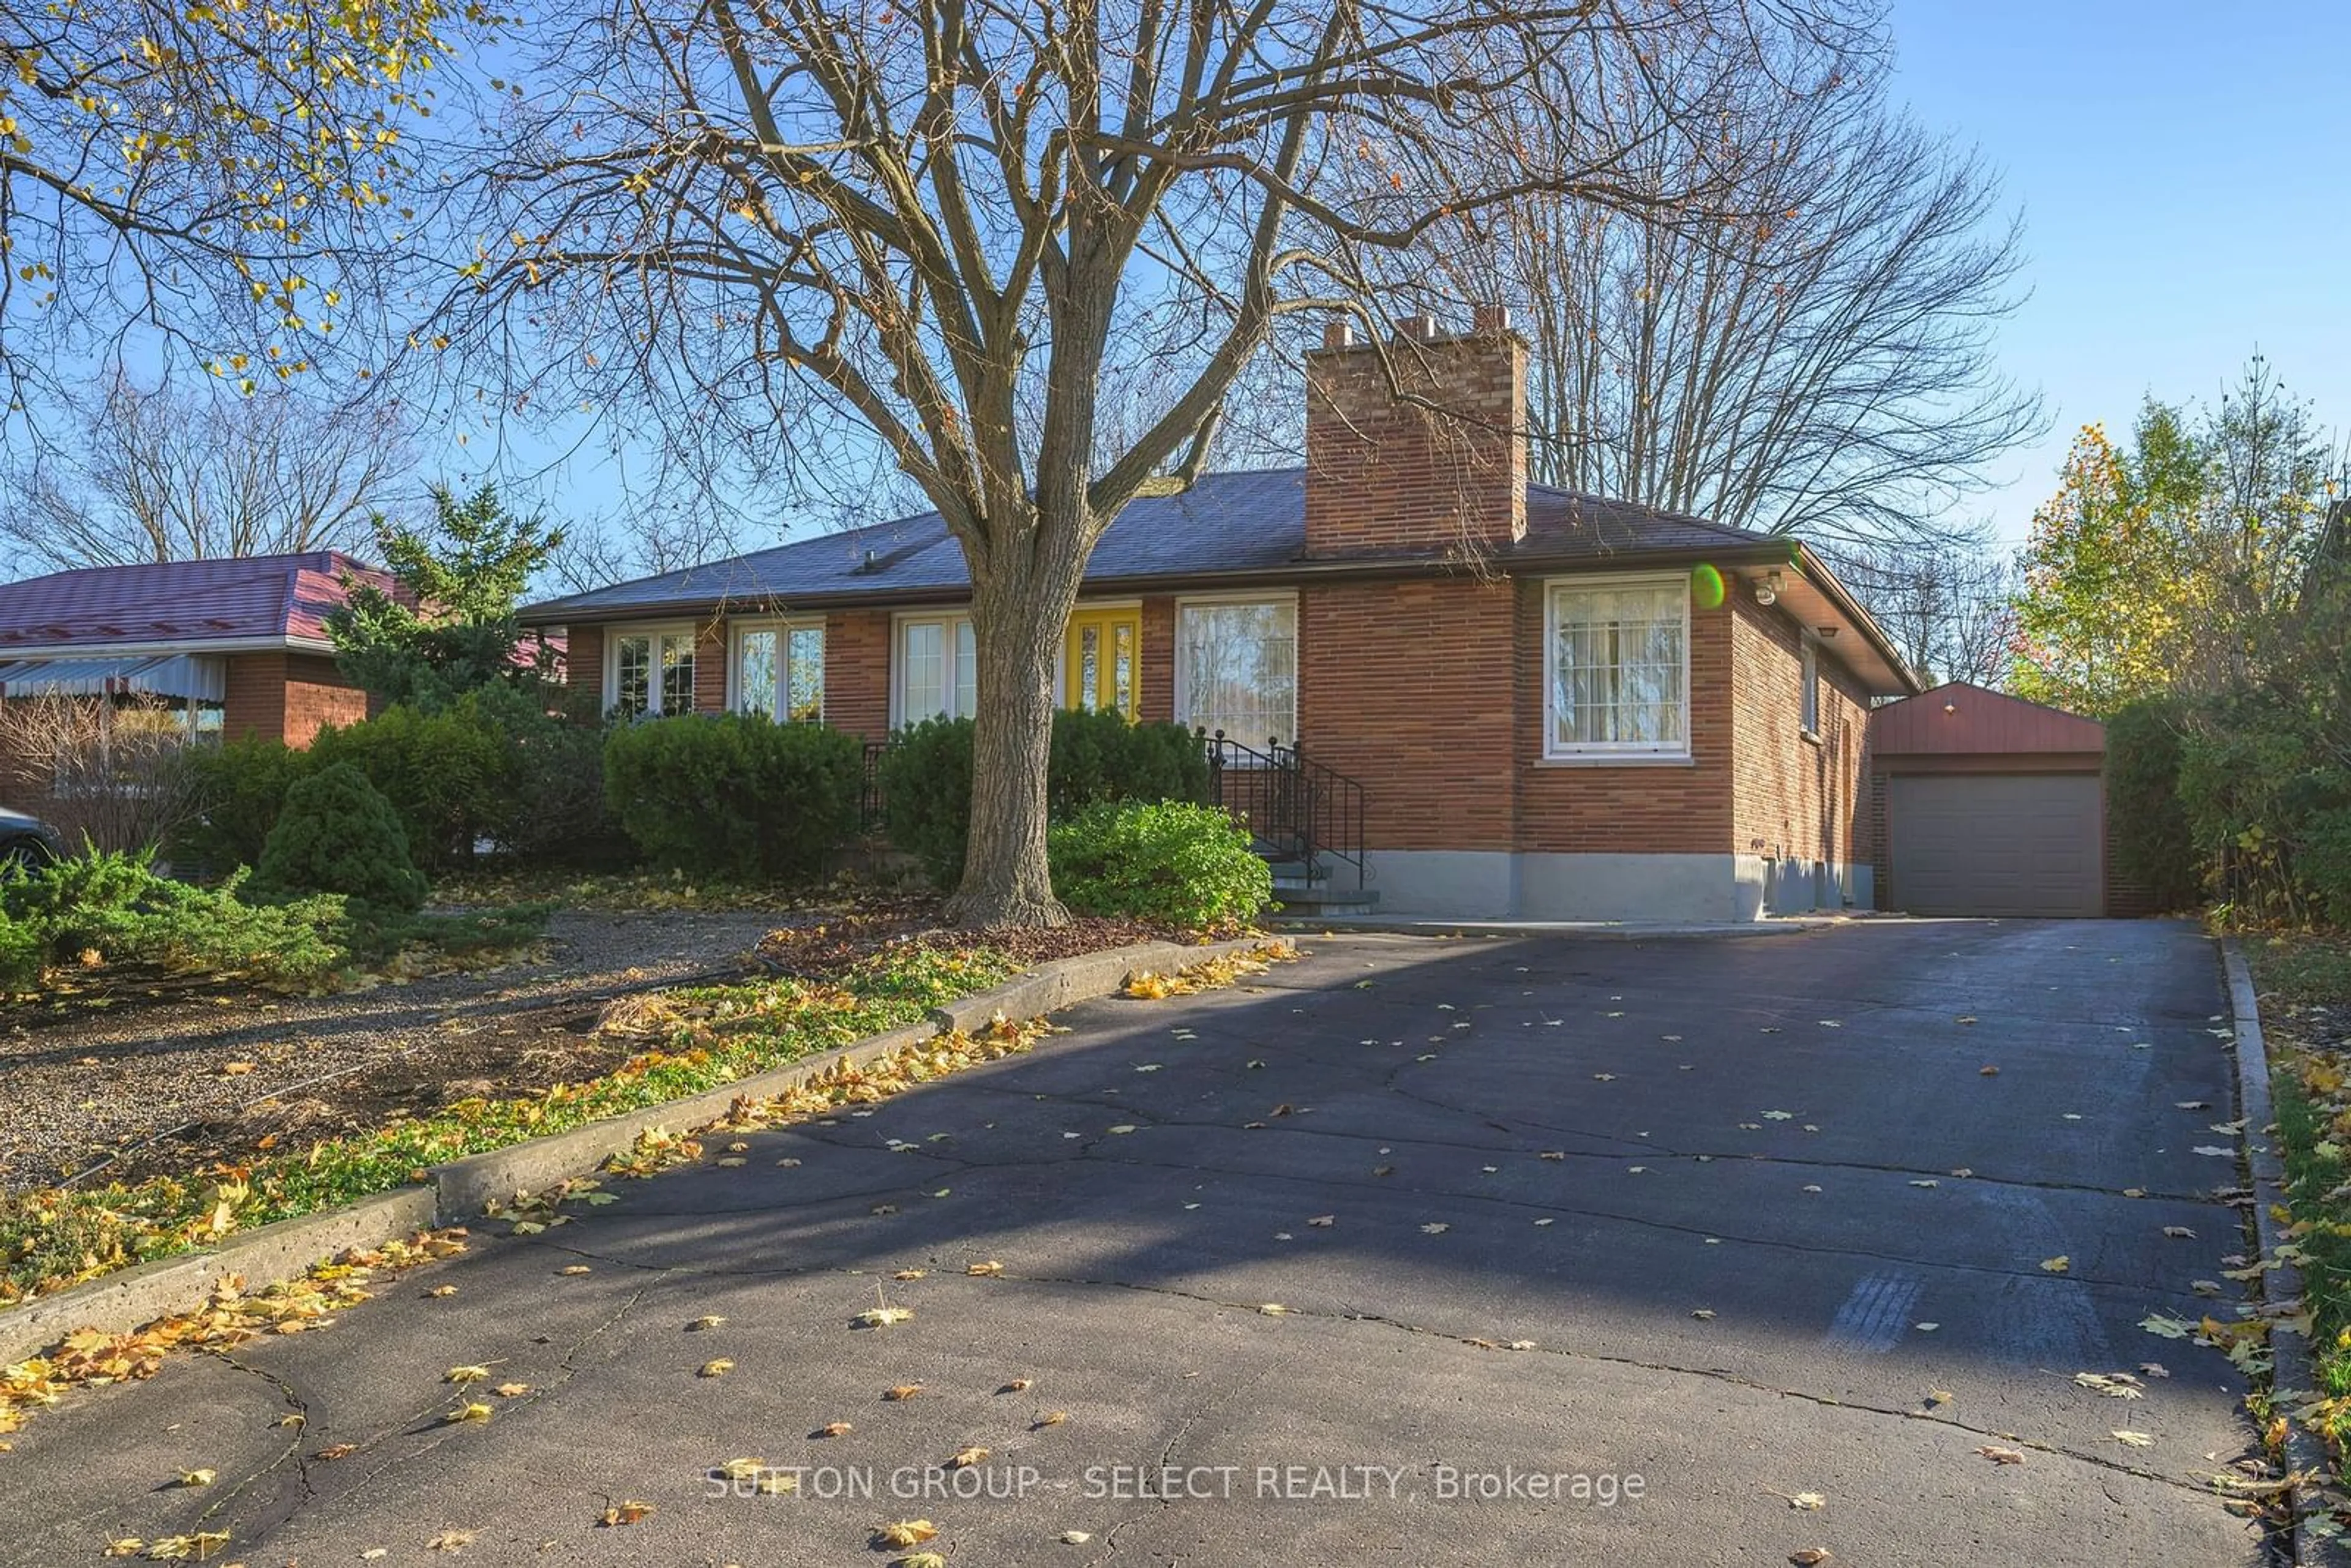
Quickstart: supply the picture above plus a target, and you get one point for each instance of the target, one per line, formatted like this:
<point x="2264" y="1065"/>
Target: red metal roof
<point x="1960" y="719"/>
<point x="281" y="599"/>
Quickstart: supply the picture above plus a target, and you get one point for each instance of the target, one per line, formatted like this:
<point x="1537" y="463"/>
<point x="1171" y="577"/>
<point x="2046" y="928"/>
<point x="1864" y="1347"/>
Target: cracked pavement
<point x="1565" y="1144"/>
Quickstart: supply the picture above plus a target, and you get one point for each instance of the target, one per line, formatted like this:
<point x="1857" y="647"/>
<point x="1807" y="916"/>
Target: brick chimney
<point x="1386" y="474"/>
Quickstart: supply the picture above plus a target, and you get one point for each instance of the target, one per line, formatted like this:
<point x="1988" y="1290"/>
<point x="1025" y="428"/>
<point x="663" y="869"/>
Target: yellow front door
<point x="1105" y="646"/>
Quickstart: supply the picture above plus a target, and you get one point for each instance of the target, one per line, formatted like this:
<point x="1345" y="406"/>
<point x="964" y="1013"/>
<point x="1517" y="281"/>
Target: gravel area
<point x="85" y="1096"/>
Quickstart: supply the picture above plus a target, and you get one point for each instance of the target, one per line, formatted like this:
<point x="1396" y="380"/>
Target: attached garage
<point x="1987" y="805"/>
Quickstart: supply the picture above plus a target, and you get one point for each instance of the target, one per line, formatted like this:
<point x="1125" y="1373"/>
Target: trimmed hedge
<point x="1098" y="757"/>
<point x="1184" y="865"/>
<point x="734" y="795"/>
<point x="493" y="765"/>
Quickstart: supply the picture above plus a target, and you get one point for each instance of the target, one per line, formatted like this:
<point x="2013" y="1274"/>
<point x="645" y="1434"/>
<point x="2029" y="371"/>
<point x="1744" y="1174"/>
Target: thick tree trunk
<point x="1019" y="621"/>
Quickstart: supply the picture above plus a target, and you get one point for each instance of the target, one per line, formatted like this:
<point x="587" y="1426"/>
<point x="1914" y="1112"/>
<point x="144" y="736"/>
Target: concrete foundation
<point x="1682" y="888"/>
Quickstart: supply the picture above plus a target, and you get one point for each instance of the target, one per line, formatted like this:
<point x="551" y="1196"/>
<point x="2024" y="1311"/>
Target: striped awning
<point x="192" y="677"/>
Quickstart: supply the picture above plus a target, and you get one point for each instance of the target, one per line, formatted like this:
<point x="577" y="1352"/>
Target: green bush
<point x="926" y="777"/>
<point x="338" y="834"/>
<point x="1184" y="865"/>
<point x="113" y="909"/>
<point x="240" y="787"/>
<point x="2151" y="842"/>
<point x="547" y="803"/>
<point x="2325" y="864"/>
<point x="1099" y="755"/>
<point x="734" y="794"/>
<point x="446" y="774"/>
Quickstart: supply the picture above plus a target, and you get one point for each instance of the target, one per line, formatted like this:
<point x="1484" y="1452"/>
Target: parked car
<point x="28" y="841"/>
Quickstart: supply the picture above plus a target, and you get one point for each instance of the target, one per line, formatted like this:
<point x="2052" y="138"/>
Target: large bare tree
<point x="190" y="473"/>
<point x="1948" y="603"/>
<point x="963" y="229"/>
<point x="1821" y="359"/>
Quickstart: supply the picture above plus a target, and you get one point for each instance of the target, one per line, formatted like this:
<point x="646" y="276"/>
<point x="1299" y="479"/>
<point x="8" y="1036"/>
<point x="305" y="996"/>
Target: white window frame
<point x="950" y="674"/>
<point x="1183" y="706"/>
<point x="1609" y="751"/>
<point x="660" y="633"/>
<point x="1808" y="693"/>
<point x="783" y="627"/>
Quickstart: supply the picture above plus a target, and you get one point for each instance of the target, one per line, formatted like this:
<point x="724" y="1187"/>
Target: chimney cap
<point x="1420" y="324"/>
<point x="1338" y="333"/>
<point x="1489" y="318"/>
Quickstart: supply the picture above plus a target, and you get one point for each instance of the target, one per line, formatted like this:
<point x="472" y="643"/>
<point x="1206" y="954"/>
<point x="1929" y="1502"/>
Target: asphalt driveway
<point x="1419" y="1251"/>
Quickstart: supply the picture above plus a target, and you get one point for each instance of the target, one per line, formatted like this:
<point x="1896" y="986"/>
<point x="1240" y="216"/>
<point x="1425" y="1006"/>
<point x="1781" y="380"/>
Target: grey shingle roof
<point x="1246" y="522"/>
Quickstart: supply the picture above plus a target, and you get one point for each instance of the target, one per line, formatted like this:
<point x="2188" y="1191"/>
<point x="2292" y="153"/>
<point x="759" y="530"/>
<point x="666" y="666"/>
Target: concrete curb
<point x="2290" y="1359"/>
<point x="122" y="1301"/>
<point x="1593" y="930"/>
<point x="457" y="1191"/>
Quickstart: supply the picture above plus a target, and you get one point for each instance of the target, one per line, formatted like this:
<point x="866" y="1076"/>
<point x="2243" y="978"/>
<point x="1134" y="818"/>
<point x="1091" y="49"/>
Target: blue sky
<point x="2183" y="171"/>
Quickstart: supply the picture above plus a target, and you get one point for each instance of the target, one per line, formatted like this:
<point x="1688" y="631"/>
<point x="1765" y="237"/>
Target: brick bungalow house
<point x="1525" y="702"/>
<point x="233" y="647"/>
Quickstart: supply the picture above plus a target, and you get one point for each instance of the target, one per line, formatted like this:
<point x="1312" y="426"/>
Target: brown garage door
<point x="1995" y="843"/>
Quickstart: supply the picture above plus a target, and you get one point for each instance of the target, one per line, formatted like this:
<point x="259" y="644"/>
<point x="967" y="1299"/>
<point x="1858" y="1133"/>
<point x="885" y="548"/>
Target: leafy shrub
<point x="1186" y="864"/>
<point x="1099" y="755"/>
<point x="446" y="774"/>
<point x="547" y="803"/>
<point x="2151" y="842"/>
<point x="1096" y="756"/>
<point x="240" y="787"/>
<point x="925" y="778"/>
<point x="114" y="909"/>
<point x="2325" y="864"/>
<point x="338" y="834"/>
<point x="734" y="794"/>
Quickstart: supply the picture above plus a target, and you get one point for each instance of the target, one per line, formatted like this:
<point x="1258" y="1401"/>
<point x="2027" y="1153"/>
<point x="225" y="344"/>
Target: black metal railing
<point x="1296" y="808"/>
<point x="870" y="805"/>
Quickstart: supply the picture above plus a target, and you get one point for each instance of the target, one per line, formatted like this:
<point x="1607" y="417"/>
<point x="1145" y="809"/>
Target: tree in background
<point x="2176" y="564"/>
<point x="1948" y="604"/>
<point x="450" y="628"/>
<point x="2104" y="605"/>
<point x="944" y="229"/>
<point x="1820" y="359"/>
<point x="181" y="472"/>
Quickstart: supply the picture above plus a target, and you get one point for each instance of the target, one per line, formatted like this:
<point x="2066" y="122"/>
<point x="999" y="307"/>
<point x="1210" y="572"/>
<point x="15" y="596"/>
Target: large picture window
<point x="1237" y="669"/>
<point x="649" y="670"/>
<point x="1618" y="667"/>
<point x="937" y="669"/>
<point x="779" y="670"/>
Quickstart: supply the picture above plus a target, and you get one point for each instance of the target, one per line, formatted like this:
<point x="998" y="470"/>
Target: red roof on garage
<point x="1959" y="718"/>
<point x="283" y="598"/>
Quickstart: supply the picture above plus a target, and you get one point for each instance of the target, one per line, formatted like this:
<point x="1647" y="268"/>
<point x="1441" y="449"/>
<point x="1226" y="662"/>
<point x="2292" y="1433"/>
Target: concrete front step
<point x="1298" y="894"/>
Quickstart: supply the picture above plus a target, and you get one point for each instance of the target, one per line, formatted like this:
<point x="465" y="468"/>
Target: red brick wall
<point x="583" y="662"/>
<point x="1795" y="797"/>
<point x="857" y="671"/>
<point x="710" y="667"/>
<point x="1643" y="808"/>
<point x="1405" y="687"/>
<point x="1155" y="701"/>
<point x="287" y="696"/>
<point x="1387" y="475"/>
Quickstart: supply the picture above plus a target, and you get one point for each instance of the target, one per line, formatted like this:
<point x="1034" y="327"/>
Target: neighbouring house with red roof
<point x="235" y="647"/>
<point x="1439" y="685"/>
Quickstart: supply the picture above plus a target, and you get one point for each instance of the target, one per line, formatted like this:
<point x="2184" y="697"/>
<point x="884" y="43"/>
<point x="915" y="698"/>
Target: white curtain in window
<point x="1240" y="670"/>
<point x="1617" y="673"/>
